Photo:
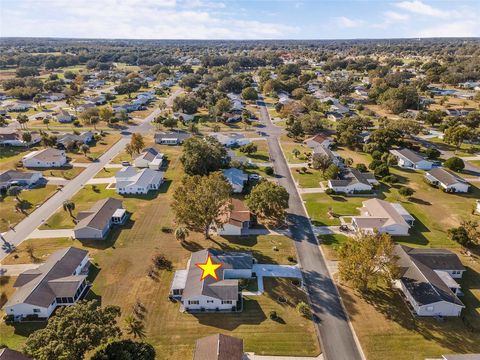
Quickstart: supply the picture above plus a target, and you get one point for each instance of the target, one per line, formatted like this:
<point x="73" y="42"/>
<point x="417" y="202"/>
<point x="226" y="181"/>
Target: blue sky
<point x="239" y="19"/>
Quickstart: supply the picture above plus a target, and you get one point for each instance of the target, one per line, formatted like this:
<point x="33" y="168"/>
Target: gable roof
<point x="445" y="177"/>
<point x="235" y="176"/>
<point x="379" y="213"/>
<point x="41" y="286"/>
<point x="99" y="214"/>
<point x="354" y="176"/>
<point x="421" y="281"/>
<point x="148" y="154"/>
<point x="408" y="154"/>
<point x="131" y="176"/>
<point x="218" y="347"/>
<point x="10" y="176"/>
<point x="222" y="289"/>
<point x="48" y="154"/>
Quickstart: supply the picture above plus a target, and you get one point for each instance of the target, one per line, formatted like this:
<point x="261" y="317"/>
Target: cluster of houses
<point x="142" y="100"/>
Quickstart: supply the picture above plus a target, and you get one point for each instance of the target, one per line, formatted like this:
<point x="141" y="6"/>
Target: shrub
<point x="304" y="309"/>
<point x="269" y="170"/>
<point x="375" y="163"/>
<point x="454" y="163"/>
<point x="361" y="167"/>
<point x="291" y="259"/>
<point x="376" y="155"/>
<point x="405" y="191"/>
<point x="161" y="262"/>
<point x="273" y="315"/>
<point x="76" y="123"/>
<point x="432" y="153"/>
<point x="330" y="192"/>
<point x="390" y="179"/>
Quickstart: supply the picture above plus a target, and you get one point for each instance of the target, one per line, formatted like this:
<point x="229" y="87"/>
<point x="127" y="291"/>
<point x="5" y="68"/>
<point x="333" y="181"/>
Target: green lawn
<point x="309" y="179"/>
<point x="107" y="172"/>
<point x="260" y="156"/>
<point x="31" y="198"/>
<point x="331" y="243"/>
<point x="68" y="173"/>
<point x="288" y="146"/>
<point x="318" y="206"/>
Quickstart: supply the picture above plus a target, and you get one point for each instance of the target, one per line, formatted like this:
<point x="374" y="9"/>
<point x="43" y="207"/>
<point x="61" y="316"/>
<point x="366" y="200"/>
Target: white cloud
<point x="346" y="22"/>
<point x="465" y="28"/>
<point x="392" y="16"/>
<point x="418" y="7"/>
<point x="140" y="19"/>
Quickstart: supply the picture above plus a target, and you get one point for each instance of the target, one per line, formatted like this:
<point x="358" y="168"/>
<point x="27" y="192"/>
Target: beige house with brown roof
<point x="384" y="217"/>
<point x="237" y="220"/>
<point x="218" y="347"/>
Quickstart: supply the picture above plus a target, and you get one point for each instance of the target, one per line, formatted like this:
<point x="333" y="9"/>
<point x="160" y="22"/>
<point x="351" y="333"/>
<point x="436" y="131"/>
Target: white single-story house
<point x="97" y="222"/>
<point x="64" y="140"/>
<point x="171" y="137"/>
<point x="18" y="178"/>
<point x="209" y="294"/>
<point x="150" y="158"/>
<point x="406" y="158"/>
<point x="64" y="117"/>
<point x="332" y="155"/>
<point x="129" y="180"/>
<point x="60" y="281"/>
<point x="15" y="138"/>
<point x="231" y="140"/>
<point x="319" y="140"/>
<point x="353" y="181"/>
<point x="237" y="178"/>
<point x="384" y="217"/>
<point x="427" y="279"/>
<point x="45" y="158"/>
<point x="237" y="221"/>
<point x="183" y="117"/>
<point x="448" y="181"/>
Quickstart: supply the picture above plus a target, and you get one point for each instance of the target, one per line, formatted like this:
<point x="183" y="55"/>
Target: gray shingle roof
<point x="39" y="290"/>
<point x="222" y="289"/>
<point x="99" y="214"/>
<point x="422" y="282"/>
<point x="218" y="347"/>
<point x="445" y="177"/>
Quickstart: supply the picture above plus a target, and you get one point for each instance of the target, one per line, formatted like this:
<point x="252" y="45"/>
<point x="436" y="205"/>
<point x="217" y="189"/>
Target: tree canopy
<point x="202" y="156"/>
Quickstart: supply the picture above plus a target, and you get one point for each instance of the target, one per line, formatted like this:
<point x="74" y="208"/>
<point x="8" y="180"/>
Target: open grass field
<point x="68" y="173"/>
<point x="386" y="328"/>
<point x="31" y="198"/>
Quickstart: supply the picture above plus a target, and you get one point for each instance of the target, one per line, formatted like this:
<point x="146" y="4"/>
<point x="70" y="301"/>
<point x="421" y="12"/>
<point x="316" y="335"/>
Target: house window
<point x="36" y="310"/>
<point x="226" y="301"/>
<point x="193" y="302"/>
<point x="177" y="291"/>
<point x="209" y="301"/>
<point x="429" y="308"/>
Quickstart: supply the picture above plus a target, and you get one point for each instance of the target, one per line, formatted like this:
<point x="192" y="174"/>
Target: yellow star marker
<point x="209" y="269"/>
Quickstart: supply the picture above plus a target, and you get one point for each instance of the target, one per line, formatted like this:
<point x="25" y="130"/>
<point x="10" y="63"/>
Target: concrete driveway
<point x="16" y="269"/>
<point x="268" y="270"/>
<point x="47" y="234"/>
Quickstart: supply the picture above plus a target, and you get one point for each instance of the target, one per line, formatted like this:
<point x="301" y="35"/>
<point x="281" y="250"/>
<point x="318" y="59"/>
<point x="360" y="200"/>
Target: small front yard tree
<point x="467" y="234"/>
<point x="124" y="349"/>
<point x="268" y="201"/>
<point x="321" y="162"/>
<point x="135" y="327"/>
<point x="200" y="201"/>
<point x="454" y="163"/>
<point x="249" y="148"/>
<point x="69" y="206"/>
<point x="406" y="191"/>
<point x="367" y="261"/>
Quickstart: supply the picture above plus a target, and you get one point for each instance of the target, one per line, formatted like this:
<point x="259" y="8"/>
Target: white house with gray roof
<point x="237" y="178"/>
<point x="46" y="158"/>
<point x="149" y="158"/>
<point x="209" y="294"/>
<point x="384" y="217"/>
<point x="18" y="178"/>
<point x="353" y="181"/>
<point x="60" y="281"/>
<point x="427" y="279"/>
<point x="130" y="180"/>
<point x="97" y="222"/>
<point x="408" y="159"/>
<point x="447" y="180"/>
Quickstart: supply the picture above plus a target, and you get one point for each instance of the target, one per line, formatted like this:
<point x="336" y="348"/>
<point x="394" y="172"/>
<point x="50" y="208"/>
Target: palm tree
<point x="296" y="153"/>
<point x="181" y="233"/>
<point x="46" y="121"/>
<point x="135" y="327"/>
<point x="69" y="206"/>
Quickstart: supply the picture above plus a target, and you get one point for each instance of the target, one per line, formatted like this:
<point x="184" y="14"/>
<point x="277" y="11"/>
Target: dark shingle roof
<point x="423" y="283"/>
<point x="9" y="354"/>
<point x="218" y="347"/>
<point x="38" y="291"/>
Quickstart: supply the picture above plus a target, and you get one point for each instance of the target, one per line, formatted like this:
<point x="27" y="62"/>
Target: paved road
<point x="27" y="226"/>
<point x="335" y="334"/>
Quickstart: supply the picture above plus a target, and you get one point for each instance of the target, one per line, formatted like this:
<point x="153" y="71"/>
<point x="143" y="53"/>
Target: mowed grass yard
<point x="119" y="276"/>
<point x="97" y="149"/>
<point x="31" y="198"/>
<point x="308" y="179"/>
<point x="260" y="156"/>
<point x="386" y="328"/>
